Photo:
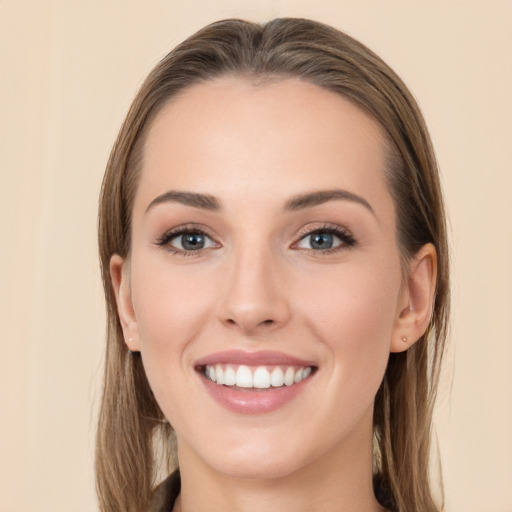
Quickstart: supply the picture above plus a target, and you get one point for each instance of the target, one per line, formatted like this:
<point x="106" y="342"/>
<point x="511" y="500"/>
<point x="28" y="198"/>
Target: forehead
<point x="231" y="137"/>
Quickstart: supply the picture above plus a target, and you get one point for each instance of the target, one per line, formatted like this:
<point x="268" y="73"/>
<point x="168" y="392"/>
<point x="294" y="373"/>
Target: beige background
<point x="68" y="72"/>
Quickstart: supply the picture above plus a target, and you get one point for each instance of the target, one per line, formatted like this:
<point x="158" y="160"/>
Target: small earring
<point x="404" y="339"/>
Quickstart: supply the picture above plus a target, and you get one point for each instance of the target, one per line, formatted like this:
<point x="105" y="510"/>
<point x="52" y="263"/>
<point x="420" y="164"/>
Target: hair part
<point x="130" y="419"/>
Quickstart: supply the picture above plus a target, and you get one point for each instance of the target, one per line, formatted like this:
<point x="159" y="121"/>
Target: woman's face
<point x="264" y="252"/>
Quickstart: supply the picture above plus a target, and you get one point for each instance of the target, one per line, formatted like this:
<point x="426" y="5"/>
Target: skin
<point x="260" y="285"/>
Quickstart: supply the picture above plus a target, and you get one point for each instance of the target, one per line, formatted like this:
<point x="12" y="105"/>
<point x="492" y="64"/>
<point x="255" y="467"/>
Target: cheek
<point x="354" y="317"/>
<point x="354" y="302"/>
<point x="171" y="309"/>
<point x="167" y="298"/>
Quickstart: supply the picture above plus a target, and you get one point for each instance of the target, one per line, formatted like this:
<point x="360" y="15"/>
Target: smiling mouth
<point x="245" y="378"/>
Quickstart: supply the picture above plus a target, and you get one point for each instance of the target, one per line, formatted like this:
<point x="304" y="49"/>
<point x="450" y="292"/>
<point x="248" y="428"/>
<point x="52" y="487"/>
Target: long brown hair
<point x="128" y="461"/>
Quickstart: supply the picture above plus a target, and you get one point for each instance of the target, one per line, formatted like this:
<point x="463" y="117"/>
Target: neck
<point x="335" y="481"/>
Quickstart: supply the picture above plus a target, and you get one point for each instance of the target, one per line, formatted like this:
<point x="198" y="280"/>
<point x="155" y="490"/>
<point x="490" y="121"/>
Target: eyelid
<point x="165" y="240"/>
<point x="341" y="232"/>
<point x="345" y="236"/>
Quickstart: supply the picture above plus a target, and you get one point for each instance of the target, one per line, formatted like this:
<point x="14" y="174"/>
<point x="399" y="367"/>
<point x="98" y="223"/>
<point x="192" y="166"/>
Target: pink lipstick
<point x="254" y="382"/>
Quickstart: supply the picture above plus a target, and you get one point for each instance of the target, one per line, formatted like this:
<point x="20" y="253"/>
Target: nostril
<point x="268" y="322"/>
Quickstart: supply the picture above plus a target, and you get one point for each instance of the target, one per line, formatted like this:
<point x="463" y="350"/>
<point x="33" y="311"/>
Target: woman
<point x="274" y="256"/>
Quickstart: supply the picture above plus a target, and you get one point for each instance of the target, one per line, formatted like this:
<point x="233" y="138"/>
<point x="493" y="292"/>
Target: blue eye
<point x="327" y="239"/>
<point x="190" y="241"/>
<point x="186" y="240"/>
<point x="321" y="240"/>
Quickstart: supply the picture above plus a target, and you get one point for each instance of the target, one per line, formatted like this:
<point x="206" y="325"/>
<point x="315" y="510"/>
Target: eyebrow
<point x="298" y="202"/>
<point x="302" y="201"/>
<point x="196" y="200"/>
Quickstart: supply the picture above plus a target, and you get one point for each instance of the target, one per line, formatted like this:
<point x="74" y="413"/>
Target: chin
<point x="258" y="469"/>
<point x="259" y="460"/>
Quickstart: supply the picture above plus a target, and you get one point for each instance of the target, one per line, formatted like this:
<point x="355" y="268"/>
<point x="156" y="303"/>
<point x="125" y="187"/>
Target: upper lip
<point x="261" y="358"/>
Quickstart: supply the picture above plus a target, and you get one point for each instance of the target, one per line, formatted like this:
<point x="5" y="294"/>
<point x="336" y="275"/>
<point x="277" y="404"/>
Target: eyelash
<point x="343" y="234"/>
<point x="166" y="238"/>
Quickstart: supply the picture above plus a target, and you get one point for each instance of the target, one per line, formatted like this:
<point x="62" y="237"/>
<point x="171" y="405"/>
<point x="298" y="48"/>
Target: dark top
<point x="166" y="493"/>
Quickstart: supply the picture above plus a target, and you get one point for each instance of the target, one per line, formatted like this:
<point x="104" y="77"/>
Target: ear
<point x="119" y="272"/>
<point x="417" y="300"/>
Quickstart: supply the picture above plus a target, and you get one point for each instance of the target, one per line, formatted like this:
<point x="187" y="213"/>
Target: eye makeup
<point x="323" y="237"/>
<point x="193" y="239"/>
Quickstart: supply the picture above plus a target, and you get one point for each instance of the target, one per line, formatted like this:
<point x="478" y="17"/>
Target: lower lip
<point x="253" y="401"/>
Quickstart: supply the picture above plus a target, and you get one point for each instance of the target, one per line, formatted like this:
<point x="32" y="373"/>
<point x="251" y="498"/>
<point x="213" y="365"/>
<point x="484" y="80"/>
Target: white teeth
<point x="229" y="376"/>
<point x="259" y="377"/>
<point x="244" y="377"/>
<point x="277" y="377"/>
<point x="289" y="376"/>
<point x="219" y="373"/>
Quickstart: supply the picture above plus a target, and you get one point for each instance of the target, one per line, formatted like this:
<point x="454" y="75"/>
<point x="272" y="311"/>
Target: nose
<point x="254" y="299"/>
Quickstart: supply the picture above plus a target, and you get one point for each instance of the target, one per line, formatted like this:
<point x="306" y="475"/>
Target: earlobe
<point x="122" y="290"/>
<point x="418" y="299"/>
